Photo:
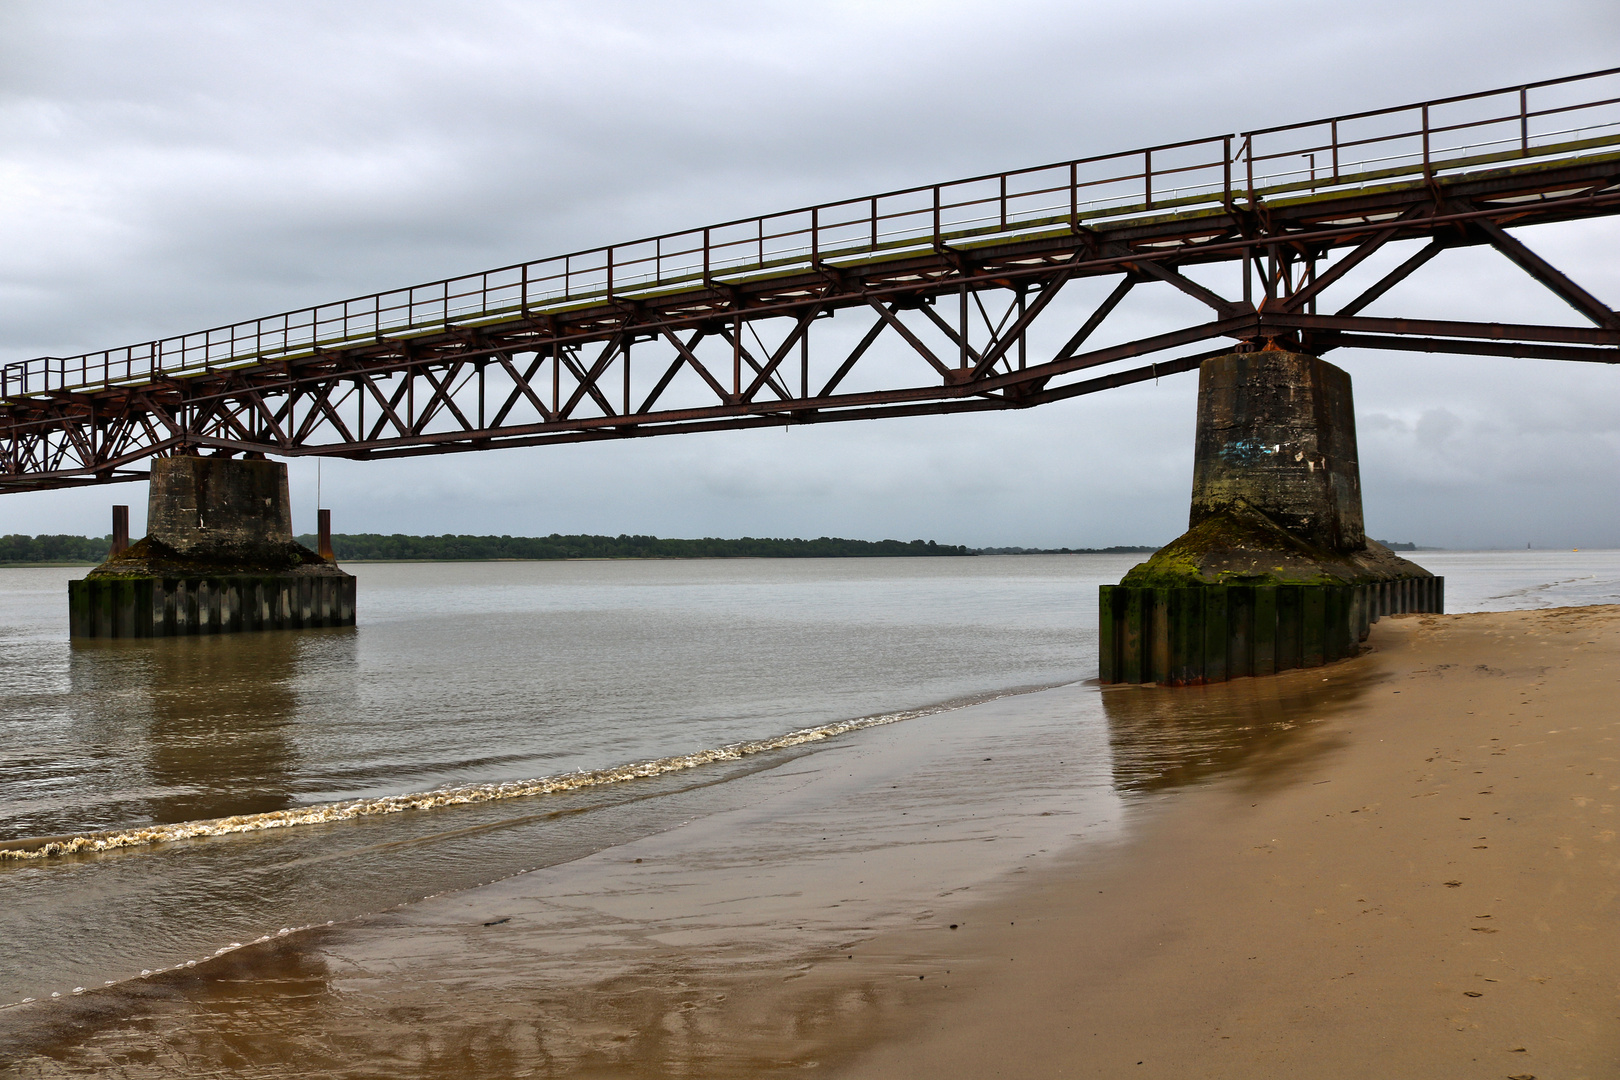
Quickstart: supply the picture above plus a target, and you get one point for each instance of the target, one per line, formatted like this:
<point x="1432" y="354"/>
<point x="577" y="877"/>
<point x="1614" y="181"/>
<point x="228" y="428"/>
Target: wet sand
<point x="1402" y="864"/>
<point x="1435" y="899"/>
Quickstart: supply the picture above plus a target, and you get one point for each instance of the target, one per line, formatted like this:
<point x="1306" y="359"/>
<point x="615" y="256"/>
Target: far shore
<point x="650" y="558"/>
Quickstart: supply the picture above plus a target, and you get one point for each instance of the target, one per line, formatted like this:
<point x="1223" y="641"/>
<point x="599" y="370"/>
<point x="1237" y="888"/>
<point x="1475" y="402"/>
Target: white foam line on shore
<point x="111" y="840"/>
<point x="147" y="973"/>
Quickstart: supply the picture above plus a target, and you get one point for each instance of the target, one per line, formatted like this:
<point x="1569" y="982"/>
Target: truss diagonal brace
<point x="1366" y="248"/>
<point x="1393" y="278"/>
<point x="521" y="388"/>
<point x="1225" y="308"/>
<point x="999" y="348"/>
<point x="587" y="379"/>
<point x="854" y="356"/>
<point x="774" y="361"/>
<point x="950" y="332"/>
<point x="1544" y="272"/>
<point x="911" y="339"/>
<point x="1104" y="309"/>
<point x="687" y="356"/>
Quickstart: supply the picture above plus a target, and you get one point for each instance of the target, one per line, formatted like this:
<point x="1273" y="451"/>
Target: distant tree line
<point x="16" y="548"/>
<point x="1065" y="551"/>
<point x="361" y="547"/>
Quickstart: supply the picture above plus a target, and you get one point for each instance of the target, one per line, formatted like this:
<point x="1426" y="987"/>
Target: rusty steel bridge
<point x="719" y="321"/>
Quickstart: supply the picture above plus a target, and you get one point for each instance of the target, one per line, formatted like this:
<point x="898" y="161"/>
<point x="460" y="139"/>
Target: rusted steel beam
<point x="357" y="396"/>
<point x="1438" y="328"/>
<point x="1394" y="277"/>
<point x="1515" y="349"/>
<point x="1544" y="272"/>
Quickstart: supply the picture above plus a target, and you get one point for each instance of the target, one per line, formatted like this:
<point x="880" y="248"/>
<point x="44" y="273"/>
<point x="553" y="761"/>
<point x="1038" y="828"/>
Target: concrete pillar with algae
<point x="218" y="557"/>
<point x="1275" y="570"/>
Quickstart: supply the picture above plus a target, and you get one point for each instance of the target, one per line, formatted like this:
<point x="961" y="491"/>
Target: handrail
<point x="1185" y="176"/>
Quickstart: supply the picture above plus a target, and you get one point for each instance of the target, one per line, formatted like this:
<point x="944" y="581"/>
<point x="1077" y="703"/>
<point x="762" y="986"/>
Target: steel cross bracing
<point x="717" y="328"/>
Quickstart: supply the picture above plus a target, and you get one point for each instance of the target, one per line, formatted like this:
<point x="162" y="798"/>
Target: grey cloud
<point x="173" y="165"/>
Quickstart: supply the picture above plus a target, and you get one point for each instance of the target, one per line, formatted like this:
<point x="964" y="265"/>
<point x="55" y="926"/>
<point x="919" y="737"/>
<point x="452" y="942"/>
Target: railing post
<point x="1147" y="179"/>
<point x="1004" y="201"/>
<point x="610" y="273"/>
<point x="1427" y="173"/>
<point x="1524" y="122"/>
<point x="874" y="221"/>
<point x="815" y="237"/>
<point x="1335" y="151"/>
<point x="323" y="541"/>
<point x="705" y="255"/>
<point x="1248" y="159"/>
<point x="1226" y="169"/>
<point x="936" y="217"/>
<point x="120" y="531"/>
<point x="1074" y="196"/>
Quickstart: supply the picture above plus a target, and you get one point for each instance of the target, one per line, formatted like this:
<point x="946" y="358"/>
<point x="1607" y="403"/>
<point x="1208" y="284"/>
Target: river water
<point x="716" y="682"/>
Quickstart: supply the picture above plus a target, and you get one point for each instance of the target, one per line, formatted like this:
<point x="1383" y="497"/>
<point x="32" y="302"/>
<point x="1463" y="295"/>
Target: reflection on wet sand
<point x="284" y="1009"/>
<point x="1264" y="730"/>
<point x="738" y="948"/>
<point x="284" y="981"/>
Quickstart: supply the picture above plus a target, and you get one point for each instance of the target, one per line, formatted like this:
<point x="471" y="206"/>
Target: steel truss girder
<point x="431" y="394"/>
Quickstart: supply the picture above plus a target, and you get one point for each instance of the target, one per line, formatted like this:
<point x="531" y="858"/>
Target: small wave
<point x="113" y="839"/>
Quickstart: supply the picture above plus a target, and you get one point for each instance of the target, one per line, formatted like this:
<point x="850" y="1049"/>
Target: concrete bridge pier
<point x="1275" y="570"/>
<point x="219" y="557"/>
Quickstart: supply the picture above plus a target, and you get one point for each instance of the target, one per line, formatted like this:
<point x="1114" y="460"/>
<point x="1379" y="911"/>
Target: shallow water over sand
<point x="458" y="675"/>
<point x="489" y="673"/>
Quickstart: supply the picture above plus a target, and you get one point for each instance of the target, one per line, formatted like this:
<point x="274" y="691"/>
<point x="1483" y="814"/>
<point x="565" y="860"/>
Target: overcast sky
<point x="166" y="166"/>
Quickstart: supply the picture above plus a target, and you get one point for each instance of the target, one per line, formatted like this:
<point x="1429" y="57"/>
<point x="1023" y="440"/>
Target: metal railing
<point x="1549" y="120"/>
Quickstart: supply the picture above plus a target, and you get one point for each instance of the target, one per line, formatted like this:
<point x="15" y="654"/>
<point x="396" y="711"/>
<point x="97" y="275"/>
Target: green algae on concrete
<point x="219" y="558"/>
<point x="1244" y="547"/>
<point x="1275" y="570"/>
<point x="149" y="556"/>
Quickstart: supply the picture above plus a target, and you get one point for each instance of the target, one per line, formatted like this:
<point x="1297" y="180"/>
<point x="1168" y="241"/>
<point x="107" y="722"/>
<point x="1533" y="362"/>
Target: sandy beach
<point x="1434" y="897"/>
<point x="1403" y="864"/>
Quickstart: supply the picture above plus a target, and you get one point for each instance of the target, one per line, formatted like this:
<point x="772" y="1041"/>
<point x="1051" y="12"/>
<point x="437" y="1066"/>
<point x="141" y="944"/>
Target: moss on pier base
<point x="1242" y="546"/>
<point x="1275" y="570"/>
<point x="219" y="559"/>
<point x="150" y="557"/>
